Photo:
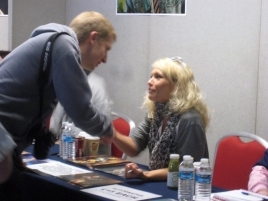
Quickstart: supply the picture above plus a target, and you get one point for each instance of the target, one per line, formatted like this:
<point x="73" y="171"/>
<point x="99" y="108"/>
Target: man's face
<point x="95" y="52"/>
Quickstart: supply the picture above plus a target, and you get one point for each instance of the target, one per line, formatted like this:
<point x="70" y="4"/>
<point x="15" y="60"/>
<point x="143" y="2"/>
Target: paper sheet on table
<point x="237" y="195"/>
<point x="56" y="168"/>
<point x="122" y="193"/>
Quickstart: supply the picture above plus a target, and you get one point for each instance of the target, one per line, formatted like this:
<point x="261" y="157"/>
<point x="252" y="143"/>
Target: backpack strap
<point x="46" y="58"/>
<point x="45" y="63"/>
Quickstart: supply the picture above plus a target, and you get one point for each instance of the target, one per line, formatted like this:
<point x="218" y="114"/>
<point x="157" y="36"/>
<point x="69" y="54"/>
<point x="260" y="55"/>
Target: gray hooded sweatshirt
<point x="19" y="89"/>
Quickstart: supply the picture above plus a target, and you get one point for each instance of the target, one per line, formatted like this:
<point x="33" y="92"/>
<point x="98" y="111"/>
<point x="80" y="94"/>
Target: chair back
<point x="234" y="159"/>
<point x="125" y="126"/>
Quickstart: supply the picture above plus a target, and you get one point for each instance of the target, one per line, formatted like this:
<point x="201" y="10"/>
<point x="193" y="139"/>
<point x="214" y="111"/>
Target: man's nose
<point x="104" y="60"/>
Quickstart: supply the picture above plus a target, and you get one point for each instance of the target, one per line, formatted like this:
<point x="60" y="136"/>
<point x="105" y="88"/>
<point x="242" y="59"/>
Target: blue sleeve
<point x="264" y="161"/>
<point x="74" y="94"/>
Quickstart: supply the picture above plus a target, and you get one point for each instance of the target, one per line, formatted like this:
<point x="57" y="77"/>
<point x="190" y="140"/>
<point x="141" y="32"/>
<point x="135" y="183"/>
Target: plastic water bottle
<point x="66" y="139"/>
<point x="68" y="148"/>
<point x="63" y="126"/>
<point x="173" y="169"/>
<point x="203" y="181"/>
<point x="66" y="129"/>
<point x="71" y="129"/>
<point x="61" y="136"/>
<point x="71" y="148"/>
<point x="186" y="179"/>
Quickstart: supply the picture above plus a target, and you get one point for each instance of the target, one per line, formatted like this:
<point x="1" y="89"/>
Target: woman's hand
<point x="133" y="171"/>
<point x="263" y="192"/>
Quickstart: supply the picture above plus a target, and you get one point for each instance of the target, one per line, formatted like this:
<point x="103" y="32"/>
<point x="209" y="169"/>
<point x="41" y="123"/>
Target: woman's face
<point x="159" y="87"/>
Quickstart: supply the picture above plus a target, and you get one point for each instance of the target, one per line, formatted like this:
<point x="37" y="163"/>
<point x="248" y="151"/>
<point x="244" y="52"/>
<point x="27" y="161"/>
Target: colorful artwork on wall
<point x="151" y="7"/>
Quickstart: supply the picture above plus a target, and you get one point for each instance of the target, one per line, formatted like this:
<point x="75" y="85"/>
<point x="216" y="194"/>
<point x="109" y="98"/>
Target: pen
<point x="129" y="171"/>
<point x="255" y="195"/>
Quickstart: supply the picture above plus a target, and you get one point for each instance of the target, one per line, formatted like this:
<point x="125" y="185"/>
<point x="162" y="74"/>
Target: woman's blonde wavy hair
<point x="186" y="93"/>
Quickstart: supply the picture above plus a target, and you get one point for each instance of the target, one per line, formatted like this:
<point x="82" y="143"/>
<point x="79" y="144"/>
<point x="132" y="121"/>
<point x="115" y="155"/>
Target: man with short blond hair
<point x="72" y="56"/>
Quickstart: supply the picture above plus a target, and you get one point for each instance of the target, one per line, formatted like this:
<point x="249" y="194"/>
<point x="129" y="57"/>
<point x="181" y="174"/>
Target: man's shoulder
<point x="52" y="27"/>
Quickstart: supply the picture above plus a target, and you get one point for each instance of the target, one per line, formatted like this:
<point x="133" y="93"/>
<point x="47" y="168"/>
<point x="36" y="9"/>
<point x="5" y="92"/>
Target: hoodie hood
<point x="53" y="27"/>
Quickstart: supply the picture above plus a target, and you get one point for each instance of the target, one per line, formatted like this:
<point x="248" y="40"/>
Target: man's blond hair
<point x="86" y="22"/>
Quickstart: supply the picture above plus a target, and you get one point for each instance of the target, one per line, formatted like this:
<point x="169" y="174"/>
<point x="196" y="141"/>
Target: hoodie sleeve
<point x="6" y="143"/>
<point x="73" y="92"/>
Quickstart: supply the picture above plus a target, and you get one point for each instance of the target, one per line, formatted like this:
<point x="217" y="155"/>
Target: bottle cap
<point x="196" y="164"/>
<point x="69" y="124"/>
<point x="187" y="157"/>
<point x="174" y="156"/>
<point x="204" y="160"/>
<point x="64" y="123"/>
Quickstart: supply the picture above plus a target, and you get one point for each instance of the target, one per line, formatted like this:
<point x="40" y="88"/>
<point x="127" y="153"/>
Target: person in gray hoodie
<point x="90" y="37"/>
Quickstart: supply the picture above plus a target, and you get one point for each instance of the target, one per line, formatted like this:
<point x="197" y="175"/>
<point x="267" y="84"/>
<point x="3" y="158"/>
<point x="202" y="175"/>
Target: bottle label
<point x="204" y="179"/>
<point x="172" y="180"/>
<point x="186" y="175"/>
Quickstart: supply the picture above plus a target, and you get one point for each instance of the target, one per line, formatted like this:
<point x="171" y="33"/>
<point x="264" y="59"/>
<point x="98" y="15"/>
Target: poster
<point x="151" y="7"/>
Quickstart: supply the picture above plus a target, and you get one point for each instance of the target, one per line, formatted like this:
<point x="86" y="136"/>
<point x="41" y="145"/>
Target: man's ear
<point x="93" y="36"/>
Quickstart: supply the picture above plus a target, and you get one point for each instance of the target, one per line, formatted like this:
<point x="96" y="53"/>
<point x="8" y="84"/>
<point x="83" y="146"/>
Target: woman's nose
<point x="150" y="81"/>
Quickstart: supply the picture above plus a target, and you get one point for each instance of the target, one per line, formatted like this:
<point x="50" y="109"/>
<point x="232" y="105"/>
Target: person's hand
<point x="133" y="171"/>
<point x="263" y="192"/>
<point x="107" y="140"/>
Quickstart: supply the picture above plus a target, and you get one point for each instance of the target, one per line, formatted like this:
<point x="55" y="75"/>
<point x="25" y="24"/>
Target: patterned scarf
<point x="162" y="145"/>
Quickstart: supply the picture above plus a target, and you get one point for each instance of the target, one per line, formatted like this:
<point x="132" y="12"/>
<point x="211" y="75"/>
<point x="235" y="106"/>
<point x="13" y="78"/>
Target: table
<point x="51" y="188"/>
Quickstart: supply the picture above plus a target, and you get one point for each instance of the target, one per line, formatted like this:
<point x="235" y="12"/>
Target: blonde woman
<point x="176" y="121"/>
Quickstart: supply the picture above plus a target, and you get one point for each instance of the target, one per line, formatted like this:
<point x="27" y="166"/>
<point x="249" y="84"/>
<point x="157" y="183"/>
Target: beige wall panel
<point x="28" y="14"/>
<point x="4" y="32"/>
<point x="262" y="117"/>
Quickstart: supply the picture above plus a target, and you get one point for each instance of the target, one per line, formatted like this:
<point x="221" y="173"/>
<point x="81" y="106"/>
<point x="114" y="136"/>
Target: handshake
<point x="108" y="140"/>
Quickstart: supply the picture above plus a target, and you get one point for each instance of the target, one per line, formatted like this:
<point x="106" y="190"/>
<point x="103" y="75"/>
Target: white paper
<point x="119" y="192"/>
<point x="237" y="195"/>
<point x="55" y="168"/>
